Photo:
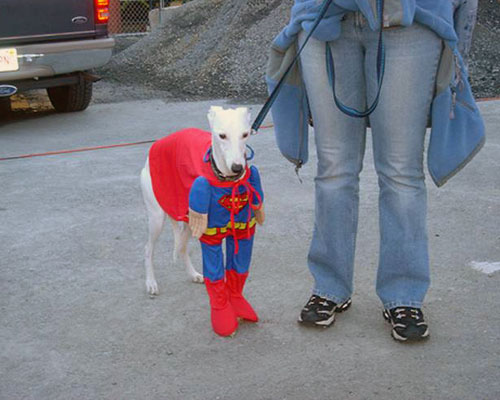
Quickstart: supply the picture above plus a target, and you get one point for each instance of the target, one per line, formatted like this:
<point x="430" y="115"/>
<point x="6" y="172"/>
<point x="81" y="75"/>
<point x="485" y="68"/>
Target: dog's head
<point x="230" y="132"/>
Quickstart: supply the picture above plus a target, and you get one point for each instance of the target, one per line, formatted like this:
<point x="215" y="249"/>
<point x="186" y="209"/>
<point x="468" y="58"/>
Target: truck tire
<point x="4" y="106"/>
<point x="71" y="97"/>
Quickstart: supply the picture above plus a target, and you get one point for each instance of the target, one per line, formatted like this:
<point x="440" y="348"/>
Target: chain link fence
<point x="132" y="16"/>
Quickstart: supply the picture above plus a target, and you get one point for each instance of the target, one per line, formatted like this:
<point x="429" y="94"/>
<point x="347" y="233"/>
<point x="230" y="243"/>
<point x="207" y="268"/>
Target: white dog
<point x="230" y="130"/>
<point x="203" y="178"/>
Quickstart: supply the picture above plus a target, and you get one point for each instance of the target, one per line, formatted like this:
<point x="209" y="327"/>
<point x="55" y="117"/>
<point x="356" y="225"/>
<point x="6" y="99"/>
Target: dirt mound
<point x="206" y="48"/>
<point x="218" y="49"/>
<point x="484" y="61"/>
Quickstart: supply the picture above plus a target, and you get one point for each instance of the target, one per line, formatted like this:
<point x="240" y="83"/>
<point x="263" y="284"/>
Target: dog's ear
<point x="212" y="112"/>
<point x="247" y="117"/>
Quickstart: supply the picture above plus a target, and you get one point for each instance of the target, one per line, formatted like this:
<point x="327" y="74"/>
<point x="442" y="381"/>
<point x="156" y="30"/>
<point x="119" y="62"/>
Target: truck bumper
<point x="50" y="59"/>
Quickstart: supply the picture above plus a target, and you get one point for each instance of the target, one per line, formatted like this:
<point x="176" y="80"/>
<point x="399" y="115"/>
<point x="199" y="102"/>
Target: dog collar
<point x="218" y="174"/>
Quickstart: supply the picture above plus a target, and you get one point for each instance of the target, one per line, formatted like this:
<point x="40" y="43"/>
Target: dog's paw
<point x="198" y="278"/>
<point x="152" y="287"/>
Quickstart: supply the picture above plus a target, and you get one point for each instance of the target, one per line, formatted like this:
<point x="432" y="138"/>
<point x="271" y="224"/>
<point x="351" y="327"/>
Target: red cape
<point x="174" y="163"/>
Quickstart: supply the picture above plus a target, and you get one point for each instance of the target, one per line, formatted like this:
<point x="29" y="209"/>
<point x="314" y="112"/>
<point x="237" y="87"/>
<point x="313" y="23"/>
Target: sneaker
<point x="407" y="323"/>
<point x="321" y="312"/>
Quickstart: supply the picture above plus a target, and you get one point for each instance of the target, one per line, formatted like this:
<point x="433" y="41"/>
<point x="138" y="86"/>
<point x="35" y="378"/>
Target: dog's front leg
<point x="184" y="254"/>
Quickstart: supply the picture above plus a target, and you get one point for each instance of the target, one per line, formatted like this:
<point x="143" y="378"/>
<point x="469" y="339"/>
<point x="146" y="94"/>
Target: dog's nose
<point x="236" y="168"/>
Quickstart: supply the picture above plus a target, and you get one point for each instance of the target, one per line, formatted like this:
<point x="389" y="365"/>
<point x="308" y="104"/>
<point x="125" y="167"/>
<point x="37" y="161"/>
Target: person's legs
<point x="398" y="129"/>
<point x="340" y="144"/>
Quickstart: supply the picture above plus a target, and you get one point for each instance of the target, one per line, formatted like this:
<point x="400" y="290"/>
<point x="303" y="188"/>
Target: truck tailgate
<point x="45" y="20"/>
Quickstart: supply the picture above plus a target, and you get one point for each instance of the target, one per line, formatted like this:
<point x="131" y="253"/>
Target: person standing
<point x="413" y="38"/>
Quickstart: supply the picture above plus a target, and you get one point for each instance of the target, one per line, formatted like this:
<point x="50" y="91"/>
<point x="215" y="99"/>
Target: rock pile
<point x="218" y="49"/>
<point x="484" y="60"/>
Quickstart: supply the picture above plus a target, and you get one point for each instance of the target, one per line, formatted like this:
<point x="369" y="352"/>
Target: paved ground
<point x="76" y="322"/>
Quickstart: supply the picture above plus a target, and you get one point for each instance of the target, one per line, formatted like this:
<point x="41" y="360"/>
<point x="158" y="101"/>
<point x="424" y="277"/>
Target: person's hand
<point x="260" y="215"/>
<point x="197" y="223"/>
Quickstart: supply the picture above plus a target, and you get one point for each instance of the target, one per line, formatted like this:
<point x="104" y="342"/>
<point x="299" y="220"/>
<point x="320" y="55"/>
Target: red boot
<point x="234" y="284"/>
<point x="223" y="317"/>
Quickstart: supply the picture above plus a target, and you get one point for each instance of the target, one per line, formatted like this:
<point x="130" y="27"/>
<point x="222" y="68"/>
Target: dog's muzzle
<point x="237" y="168"/>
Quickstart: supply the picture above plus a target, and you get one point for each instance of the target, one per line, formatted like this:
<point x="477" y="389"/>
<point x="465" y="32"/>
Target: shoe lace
<point x="317" y="302"/>
<point x="407" y="313"/>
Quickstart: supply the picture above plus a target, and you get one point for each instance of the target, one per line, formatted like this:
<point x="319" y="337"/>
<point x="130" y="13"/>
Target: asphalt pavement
<point x="77" y="323"/>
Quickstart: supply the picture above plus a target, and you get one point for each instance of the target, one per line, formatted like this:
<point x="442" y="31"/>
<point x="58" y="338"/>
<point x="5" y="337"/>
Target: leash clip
<point x="252" y="153"/>
<point x="298" y="166"/>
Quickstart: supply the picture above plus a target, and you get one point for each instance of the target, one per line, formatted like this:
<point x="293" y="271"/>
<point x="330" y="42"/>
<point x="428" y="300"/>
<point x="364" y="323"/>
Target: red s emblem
<point x="241" y="200"/>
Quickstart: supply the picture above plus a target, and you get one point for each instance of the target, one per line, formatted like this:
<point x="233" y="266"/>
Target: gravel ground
<point x="77" y="323"/>
<point x="207" y="48"/>
<point x="218" y="49"/>
<point x="484" y="65"/>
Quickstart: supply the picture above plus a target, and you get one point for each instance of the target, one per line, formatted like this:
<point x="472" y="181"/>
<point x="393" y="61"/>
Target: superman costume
<point x="183" y="178"/>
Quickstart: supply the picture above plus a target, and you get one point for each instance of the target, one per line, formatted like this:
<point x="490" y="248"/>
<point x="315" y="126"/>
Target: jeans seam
<point x="402" y="303"/>
<point x="335" y="299"/>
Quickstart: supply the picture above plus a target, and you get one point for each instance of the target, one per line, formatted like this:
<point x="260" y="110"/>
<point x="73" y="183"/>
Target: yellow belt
<point x="224" y="229"/>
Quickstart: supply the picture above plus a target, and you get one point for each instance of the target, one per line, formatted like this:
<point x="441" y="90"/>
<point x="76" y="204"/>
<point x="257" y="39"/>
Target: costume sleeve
<point x="255" y="182"/>
<point x="199" y="195"/>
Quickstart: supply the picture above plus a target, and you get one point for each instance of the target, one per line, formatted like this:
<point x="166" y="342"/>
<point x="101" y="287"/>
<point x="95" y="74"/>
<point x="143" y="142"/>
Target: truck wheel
<point x="4" y="106"/>
<point x="71" y="97"/>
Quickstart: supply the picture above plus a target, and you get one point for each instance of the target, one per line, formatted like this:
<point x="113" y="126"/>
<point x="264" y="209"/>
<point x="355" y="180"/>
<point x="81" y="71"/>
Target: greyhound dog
<point x="201" y="182"/>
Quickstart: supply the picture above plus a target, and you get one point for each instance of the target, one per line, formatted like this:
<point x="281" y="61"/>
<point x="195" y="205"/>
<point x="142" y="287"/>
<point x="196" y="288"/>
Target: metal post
<point x="159" y="12"/>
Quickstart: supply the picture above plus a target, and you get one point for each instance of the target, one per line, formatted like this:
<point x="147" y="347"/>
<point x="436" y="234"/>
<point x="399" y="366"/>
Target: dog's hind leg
<point x="156" y="219"/>
<point x="182" y="249"/>
<point x="177" y="230"/>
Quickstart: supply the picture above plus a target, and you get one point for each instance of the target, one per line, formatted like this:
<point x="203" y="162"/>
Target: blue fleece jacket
<point x="457" y="132"/>
<point x="436" y="14"/>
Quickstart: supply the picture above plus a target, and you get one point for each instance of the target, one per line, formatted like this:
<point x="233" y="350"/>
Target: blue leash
<point x="330" y="68"/>
<point x="274" y="94"/>
<point x="331" y="71"/>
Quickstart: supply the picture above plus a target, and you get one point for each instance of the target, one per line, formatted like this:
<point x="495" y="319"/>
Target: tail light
<point x="101" y="11"/>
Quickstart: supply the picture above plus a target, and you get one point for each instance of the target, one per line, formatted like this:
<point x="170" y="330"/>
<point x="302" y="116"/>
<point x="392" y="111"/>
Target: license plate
<point x="8" y="60"/>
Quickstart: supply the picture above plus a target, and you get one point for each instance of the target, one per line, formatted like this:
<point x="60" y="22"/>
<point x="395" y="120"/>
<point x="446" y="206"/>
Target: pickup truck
<point x="52" y="44"/>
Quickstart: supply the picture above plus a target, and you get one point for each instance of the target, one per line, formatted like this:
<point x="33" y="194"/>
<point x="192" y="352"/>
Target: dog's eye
<point x="245" y="135"/>
<point x="222" y="135"/>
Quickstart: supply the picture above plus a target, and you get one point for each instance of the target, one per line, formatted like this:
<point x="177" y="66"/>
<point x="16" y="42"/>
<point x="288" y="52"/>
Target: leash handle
<point x="331" y="71"/>
<point x="330" y="67"/>
<point x="274" y="94"/>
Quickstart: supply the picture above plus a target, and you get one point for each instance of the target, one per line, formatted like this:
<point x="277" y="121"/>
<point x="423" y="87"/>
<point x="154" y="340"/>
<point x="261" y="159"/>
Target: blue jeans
<point x="398" y="129"/>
